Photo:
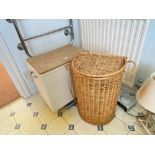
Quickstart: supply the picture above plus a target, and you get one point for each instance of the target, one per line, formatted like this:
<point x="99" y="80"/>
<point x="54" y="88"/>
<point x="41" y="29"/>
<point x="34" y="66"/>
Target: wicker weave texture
<point x="97" y="80"/>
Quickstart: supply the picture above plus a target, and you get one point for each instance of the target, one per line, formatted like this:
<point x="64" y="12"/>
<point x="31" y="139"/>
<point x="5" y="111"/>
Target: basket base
<point x="96" y="122"/>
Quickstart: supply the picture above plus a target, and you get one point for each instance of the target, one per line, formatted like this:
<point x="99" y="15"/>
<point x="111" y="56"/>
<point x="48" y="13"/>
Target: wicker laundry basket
<point x="96" y="80"/>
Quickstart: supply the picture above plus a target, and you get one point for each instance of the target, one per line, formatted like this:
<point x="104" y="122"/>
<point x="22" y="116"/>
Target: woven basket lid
<point x="98" y="64"/>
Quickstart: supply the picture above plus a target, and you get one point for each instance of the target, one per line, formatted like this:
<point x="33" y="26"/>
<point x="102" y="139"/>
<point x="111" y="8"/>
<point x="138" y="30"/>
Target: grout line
<point x="106" y="132"/>
<point x="75" y="132"/>
<point x="47" y="132"/>
<point x="78" y="120"/>
<point x="64" y="120"/>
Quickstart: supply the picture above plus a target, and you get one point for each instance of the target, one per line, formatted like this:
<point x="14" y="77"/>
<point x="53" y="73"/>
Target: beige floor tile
<point x="132" y="133"/>
<point x="4" y="112"/>
<point x="115" y="127"/>
<point x="132" y="112"/>
<point x="15" y="132"/>
<point x="46" y="115"/>
<point x="84" y="128"/>
<point x="41" y="132"/>
<point x="58" y="126"/>
<point x="38" y="103"/>
<point x="129" y="123"/>
<point x="120" y="114"/>
<point x="18" y="105"/>
<point x="138" y="128"/>
<point x="7" y="125"/>
<point x="71" y="115"/>
<point x="23" y="115"/>
<point x="70" y="132"/>
<point x="31" y="126"/>
<point x="101" y="133"/>
<point x="123" y="116"/>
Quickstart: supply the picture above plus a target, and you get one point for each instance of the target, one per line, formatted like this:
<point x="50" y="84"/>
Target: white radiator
<point x="117" y="37"/>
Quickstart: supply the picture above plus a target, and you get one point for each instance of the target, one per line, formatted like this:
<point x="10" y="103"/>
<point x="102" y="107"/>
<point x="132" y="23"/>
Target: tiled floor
<point x="33" y="116"/>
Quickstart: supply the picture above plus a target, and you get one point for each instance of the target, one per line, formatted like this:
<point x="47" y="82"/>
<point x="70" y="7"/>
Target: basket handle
<point x="133" y="68"/>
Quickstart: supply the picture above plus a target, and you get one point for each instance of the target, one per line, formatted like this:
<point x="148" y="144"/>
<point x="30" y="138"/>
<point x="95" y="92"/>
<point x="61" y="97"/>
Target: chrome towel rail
<point x="50" y="32"/>
<point x="22" y="45"/>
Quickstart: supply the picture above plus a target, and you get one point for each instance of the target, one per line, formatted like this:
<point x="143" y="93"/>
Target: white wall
<point x="77" y="36"/>
<point x="46" y="43"/>
<point x="147" y="63"/>
<point x="32" y="27"/>
<point x="37" y="46"/>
